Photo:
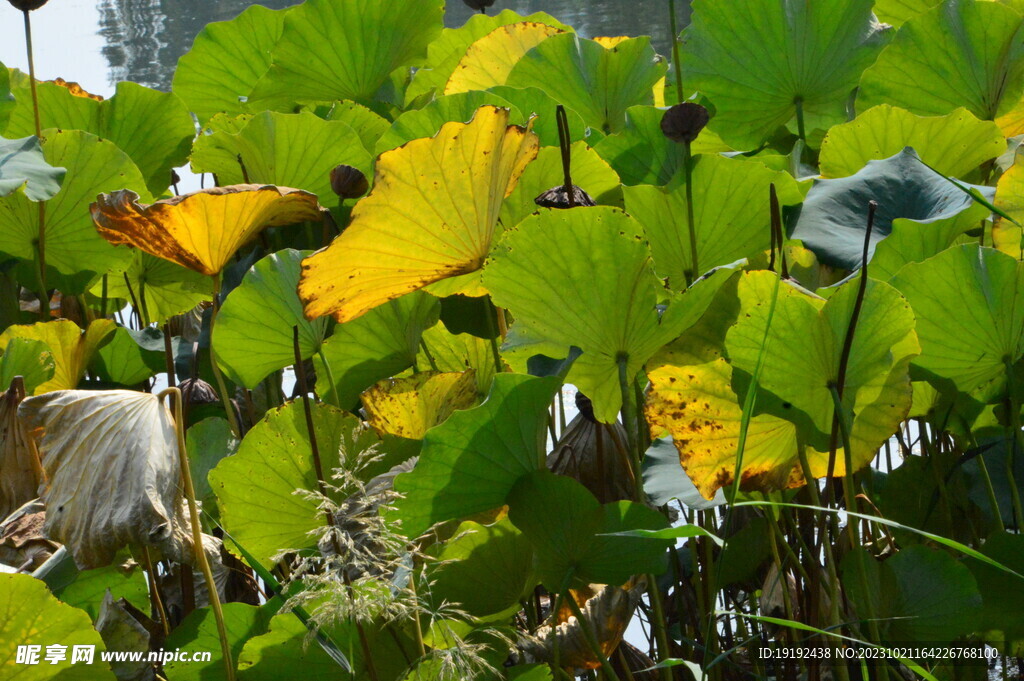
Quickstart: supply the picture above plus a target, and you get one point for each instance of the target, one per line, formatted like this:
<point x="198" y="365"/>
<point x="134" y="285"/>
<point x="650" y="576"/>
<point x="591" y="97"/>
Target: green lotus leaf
<point x="969" y="303"/>
<point x="954" y="144"/>
<point x="458" y="352"/>
<point x="1006" y="235"/>
<point x="596" y="82"/>
<point x="85" y="588"/>
<point x="426" y="122"/>
<point x="922" y="595"/>
<point x="253" y="336"/>
<point x="471" y="462"/>
<point x="226" y="60"/>
<point x="382" y="343"/>
<point x="160" y="287"/>
<point x="28" y="358"/>
<point x="568" y="527"/>
<point x="763" y="64"/>
<point x="70" y="348"/>
<point x="368" y="125"/>
<point x="22" y="166"/>
<point x="897" y="12"/>
<point x="199" y="631"/>
<point x="833" y="218"/>
<point x="255" y="487"/>
<point x="153" y="128"/>
<point x="445" y="52"/>
<point x="960" y="54"/>
<point x="543" y="272"/>
<point x="73" y="248"/>
<point x="539" y="107"/>
<point x="732" y="216"/>
<point x="490" y="59"/>
<point x="804" y="345"/>
<point x="34" y="617"/>
<point x="6" y="99"/>
<point x="1002" y="595"/>
<point x="589" y="172"/>
<point x="124" y="360"/>
<point x="641" y="153"/>
<point x="208" y="442"/>
<point x="484" y="568"/>
<point x="289" y="150"/>
<point x="285" y="648"/>
<point x="345" y="50"/>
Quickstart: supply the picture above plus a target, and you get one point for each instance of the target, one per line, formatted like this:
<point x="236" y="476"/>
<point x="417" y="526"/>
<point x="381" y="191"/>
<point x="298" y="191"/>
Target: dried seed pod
<point x="478" y="5"/>
<point x="557" y="197"/>
<point x="348" y="182"/>
<point x="196" y="391"/>
<point x="683" y="122"/>
<point x="27" y="5"/>
<point x="590" y="452"/>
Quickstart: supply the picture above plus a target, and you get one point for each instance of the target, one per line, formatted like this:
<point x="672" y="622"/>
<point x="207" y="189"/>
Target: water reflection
<point x="145" y="38"/>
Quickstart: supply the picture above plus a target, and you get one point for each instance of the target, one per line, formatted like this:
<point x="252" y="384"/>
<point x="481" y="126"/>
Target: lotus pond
<point x="501" y="352"/>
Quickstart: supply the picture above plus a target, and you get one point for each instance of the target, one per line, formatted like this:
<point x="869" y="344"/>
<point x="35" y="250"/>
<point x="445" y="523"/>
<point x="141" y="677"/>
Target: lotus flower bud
<point x="27" y="5"/>
<point x="557" y="197"/>
<point x="683" y="122"/>
<point x="348" y="182"/>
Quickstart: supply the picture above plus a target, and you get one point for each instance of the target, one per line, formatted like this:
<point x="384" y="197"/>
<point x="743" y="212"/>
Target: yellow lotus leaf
<point x="72" y="349"/>
<point x="489" y="60"/>
<point x="408" y="407"/>
<point x="75" y="89"/>
<point x="201" y="230"/>
<point x="697" y="406"/>
<point x="610" y="41"/>
<point x="1006" y="236"/>
<point x="431" y="215"/>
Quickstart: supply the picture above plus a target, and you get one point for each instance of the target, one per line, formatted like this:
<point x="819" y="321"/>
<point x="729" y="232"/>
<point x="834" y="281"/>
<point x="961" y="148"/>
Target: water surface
<point x="100" y="42"/>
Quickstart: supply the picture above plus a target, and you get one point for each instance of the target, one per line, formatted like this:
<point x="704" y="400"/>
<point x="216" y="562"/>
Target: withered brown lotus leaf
<point x="594" y="454"/>
<point x="607" y="613"/>
<point x="20" y="469"/>
<point x="201" y="230"/>
<point x="23" y="544"/>
<point x="114" y="475"/>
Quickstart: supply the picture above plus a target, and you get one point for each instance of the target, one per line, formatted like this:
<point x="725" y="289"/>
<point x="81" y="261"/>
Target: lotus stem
<point x="799" y="104"/>
<point x="221" y="386"/>
<point x="44" y="300"/>
<point x="676" y="64"/>
<point x="565" y="147"/>
<point x="197" y="533"/>
<point x="1014" y="449"/>
<point x="844" y="356"/>
<point x="300" y="376"/>
<point x="169" y="357"/>
<point x="332" y="390"/>
<point x="691" y="226"/>
<point x="154" y="592"/>
<point x="778" y="236"/>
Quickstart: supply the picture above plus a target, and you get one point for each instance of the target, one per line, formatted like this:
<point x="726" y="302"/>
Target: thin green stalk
<point x="416" y="616"/>
<point x="991" y="493"/>
<point x="197" y="534"/>
<point x="332" y="390"/>
<point x="676" y="64"/>
<point x="801" y="133"/>
<point x="1015" y="446"/>
<point x="221" y="386"/>
<point x="426" y="351"/>
<point x="44" y="300"/>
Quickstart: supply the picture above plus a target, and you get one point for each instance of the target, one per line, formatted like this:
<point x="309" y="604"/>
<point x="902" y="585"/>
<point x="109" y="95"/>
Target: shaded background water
<point x="99" y="42"/>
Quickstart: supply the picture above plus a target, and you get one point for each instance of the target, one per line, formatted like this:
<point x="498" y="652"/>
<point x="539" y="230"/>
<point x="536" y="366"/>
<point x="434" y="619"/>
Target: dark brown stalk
<point x="565" y="146"/>
<point x="300" y="376"/>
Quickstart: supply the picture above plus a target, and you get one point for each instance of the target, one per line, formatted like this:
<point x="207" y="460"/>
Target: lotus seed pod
<point x="683" y="122"/>
<point x="196" y="391"/>
<point x="27" y="5"/>
<point x="478" y="5"/>
<point x="557" y="197"/>
<point x="348" y="182"/>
